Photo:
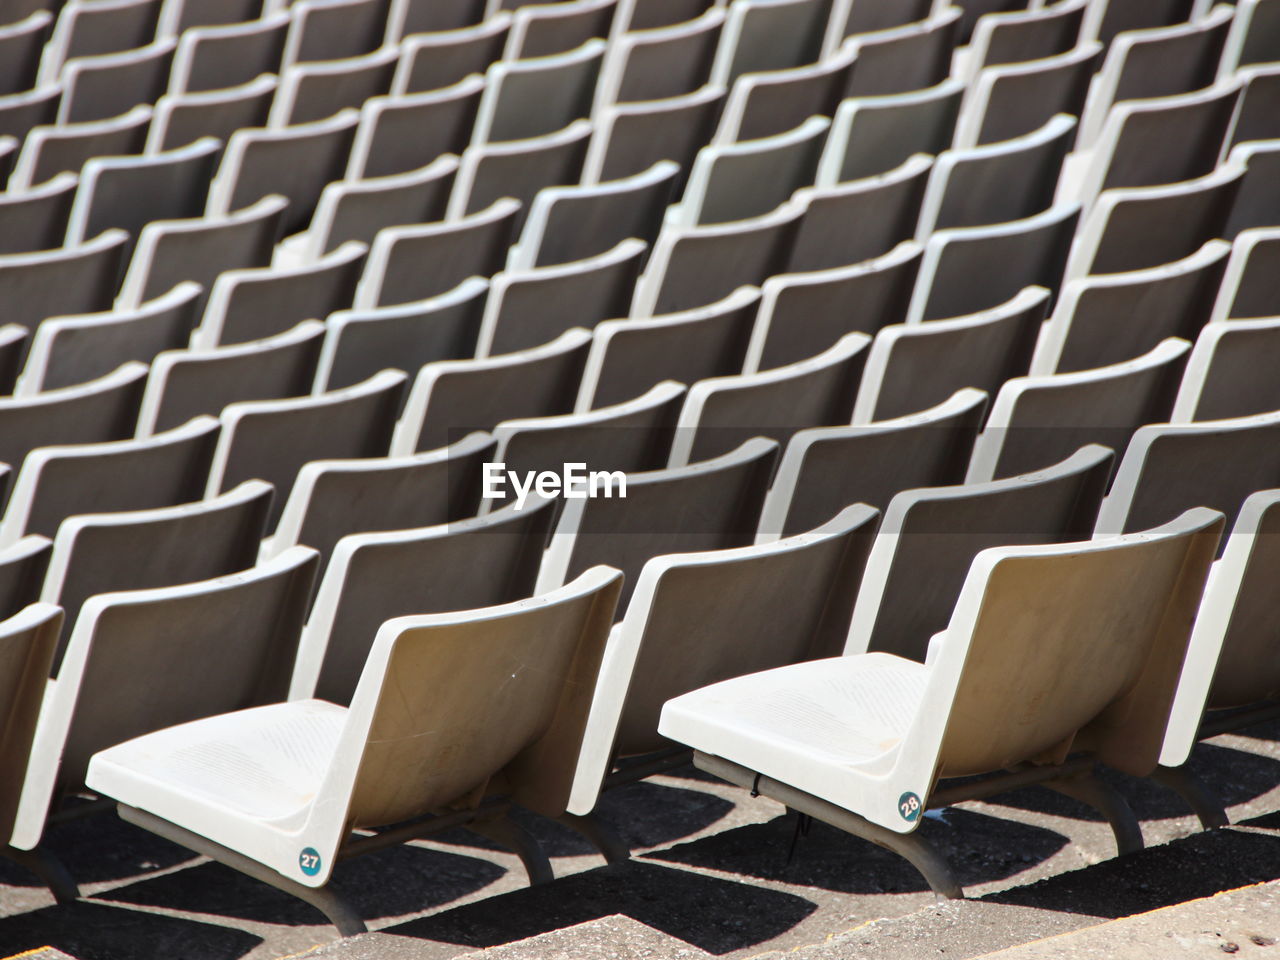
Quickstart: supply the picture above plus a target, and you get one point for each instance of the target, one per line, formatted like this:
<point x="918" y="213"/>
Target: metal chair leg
<point x="1089" y="789"/>
<point x="1197" y="795"/>
<point x="516" y="838"/>
<point x="602" y="836"/>
<point x="51" y="871"/>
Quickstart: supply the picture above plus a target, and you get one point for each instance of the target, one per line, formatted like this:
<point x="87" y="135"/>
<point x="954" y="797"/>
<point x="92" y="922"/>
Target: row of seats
<point x="883" y="313"/>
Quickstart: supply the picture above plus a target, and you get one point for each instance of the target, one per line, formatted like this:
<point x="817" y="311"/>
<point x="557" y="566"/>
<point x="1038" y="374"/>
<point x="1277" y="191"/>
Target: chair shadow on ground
<point x="1197" y="866"/>
<point x="1234" y="776"/>
<point x="420" y="879"/>
<point x="979" y="848"/>
<point x="92" y="931"/>
<point x="715" y="915"/>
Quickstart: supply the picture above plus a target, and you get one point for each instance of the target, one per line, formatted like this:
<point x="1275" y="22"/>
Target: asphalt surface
<point x="713" y="875"/>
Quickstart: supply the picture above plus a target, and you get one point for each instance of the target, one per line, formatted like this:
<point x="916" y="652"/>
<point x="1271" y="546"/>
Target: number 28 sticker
<point x="309" y="861"/>
<point x="909" y="807"/>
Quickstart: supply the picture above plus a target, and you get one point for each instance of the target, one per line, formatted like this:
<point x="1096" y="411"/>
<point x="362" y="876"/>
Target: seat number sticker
<point x="309" y="861"/>
<point x="909" y="807"/>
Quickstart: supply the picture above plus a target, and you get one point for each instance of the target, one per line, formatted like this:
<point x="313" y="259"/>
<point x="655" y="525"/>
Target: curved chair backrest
<point x="903" y="59"/>
<point x="1091" y="663"/>
<point x="22" y="571"/>
<point x="632" y="137"/>
<point x="532" y="98"/>
<point x="823" y="469"/>
<point x="540" y="30"/>
<point x="704" y="506"/>
<point x="434" y="59"/>
<point x="373" y="577"/>
<point x="69" y="281"/>
<point x="181" y="118"/>
<point x="929" y="538"/>
<point x="406" y="132"/>
<point x="102" y="87"/>
<point x="1228" y="372"/>
<point x="662" y="62"/>
<point x="313" y="91"/>
<point x="36" y="218"/>
<point x="1249" y="288"/>
<point x="770" y="103"/>
<point x="50" y="150"/>
<point x="222" y="56"/>
<point x="333" y="30"/>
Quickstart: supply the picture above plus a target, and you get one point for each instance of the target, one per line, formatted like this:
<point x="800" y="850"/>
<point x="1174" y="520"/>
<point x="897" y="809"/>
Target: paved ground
<point x="711" y="877"/>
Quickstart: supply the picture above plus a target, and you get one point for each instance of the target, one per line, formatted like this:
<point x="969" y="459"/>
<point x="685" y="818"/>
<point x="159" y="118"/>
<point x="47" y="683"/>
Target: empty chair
<point x="1257" y="203"/>
<point x="271" y="439"/>
<point x="408" y="17"/>
<point x="738" y="181"/>
<point x="631" y="137"/>
<point x="787" y="732"/>
<point x="1138" y="227"/>
<point x="1163" y="140"/>
<point x="36" y="219"/>
<point x="333" y="498"/>
<point x="1227" y="372"/>
<point x="65" y="351"/>
<point x="1104" y="21"/>
<point x="404" y="133"/>
<point x="696" y="266"/>
<point x="357" y="210"/>
<point x="530" y="718"/>
<point x="824" y="469"/>
<point x="22" y="568"/>
<point x="906" y="58"/>
<point x="540" y="30"/>
<point x="709" y="505"/>
<point x="359" y="343"/>
<point x="314" y="91"/>
<point x="87" y="29"/>
<point x="769" y="103"/>
<point x="439" y="59"/>
<point x="100" y="553"/>
<point x="576" y="222"/>
<point x="375" y="576"/>
<point x="218" y="57"/>
<point x="970" y="269"/>
<point x="1020" y="36"/>
<point x="929" y="538"/>
<point x="237" y="639"/>
<point x="628" y="437"/>
<point x="658" y="651"/>
<point x="519" y="169"/>
<point x="531" y="98"/>
<point x="998" y="182"/>
<point x="295" y="162"/>
<point x="1010" y="101"/>
<point x="1256" y="117"/>
<point x="722" y="412"/>
<point x="768" y="35"/>
<point x="57" y="482"/>
<point x="333" y="30"/>
<point x="96" y="88"/>
<point x="249" y="305"/>
<point x="1036" y="420"/>
<point x="184" y="383"/>
<point x="531" y="307"/>
<point x="451" y="398"/>
<point x="912" y="366"/>
<point x="867" y="16"/>
<point x="1115" y="317"/>
<point x="407" y="264"/>
<point x="669" y="61"/>
<point x="873" y="135"/>
<point x="1213" y="463"/>
<point x="67" y="281"/>
<point x="181" y="118"/>
<point x="20" y="45"/>
<point x="627" y="357"/>
<point x="803" y="314"/>
<point x="127" y="193"/>
<point x="28" y="637"/>
<point x="1230" y="660"/>
<point x="171" y="252"/>
<point x="847" y="223"/>
<point x="1158" y="62"/>
<point x="22" y="112"/>
<point x="48" y="151"/>
<point x="1251" y="286"/>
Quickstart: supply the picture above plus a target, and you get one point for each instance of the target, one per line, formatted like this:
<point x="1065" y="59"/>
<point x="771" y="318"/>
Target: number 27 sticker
<point x="309" y="861"/>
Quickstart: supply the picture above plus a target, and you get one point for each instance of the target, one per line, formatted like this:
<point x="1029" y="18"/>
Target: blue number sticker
<point x="309" y="861"/>
<point x="909" y="807"/>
